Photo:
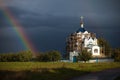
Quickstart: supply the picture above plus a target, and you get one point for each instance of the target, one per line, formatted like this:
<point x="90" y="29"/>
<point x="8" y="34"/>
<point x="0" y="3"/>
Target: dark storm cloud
<point x="69" y="7"/>
<point x="3" y="22"/>
<point x="32" y="19"/>
<point x="9" y="44"/>
<point x="56" y="13"/>
<point x="9" y="41"/>
<point x="47" y="23"/>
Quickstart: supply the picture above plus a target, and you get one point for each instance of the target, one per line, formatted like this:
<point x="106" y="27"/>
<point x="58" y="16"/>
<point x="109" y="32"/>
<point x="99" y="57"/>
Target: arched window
<point x="95" y="50"/>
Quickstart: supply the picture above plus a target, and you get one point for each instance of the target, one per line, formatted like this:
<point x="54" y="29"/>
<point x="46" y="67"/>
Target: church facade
<point x="82" y="39"/>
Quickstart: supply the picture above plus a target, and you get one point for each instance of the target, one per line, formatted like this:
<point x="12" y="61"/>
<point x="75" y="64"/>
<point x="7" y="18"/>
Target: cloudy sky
<point x="47" y="23"/>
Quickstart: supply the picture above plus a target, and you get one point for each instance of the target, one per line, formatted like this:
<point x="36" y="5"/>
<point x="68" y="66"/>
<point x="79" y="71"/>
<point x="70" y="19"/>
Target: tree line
<point x="49" y="56"/>
<point x="25" y="56"/>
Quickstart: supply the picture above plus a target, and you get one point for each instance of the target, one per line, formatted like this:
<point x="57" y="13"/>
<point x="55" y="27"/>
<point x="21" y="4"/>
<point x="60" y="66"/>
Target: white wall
<point x="94" y="52"/>
<point x="71" y="54"/>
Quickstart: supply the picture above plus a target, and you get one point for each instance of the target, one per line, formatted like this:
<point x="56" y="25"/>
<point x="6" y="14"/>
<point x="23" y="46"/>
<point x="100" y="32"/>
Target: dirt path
<point x="109" y="74"/>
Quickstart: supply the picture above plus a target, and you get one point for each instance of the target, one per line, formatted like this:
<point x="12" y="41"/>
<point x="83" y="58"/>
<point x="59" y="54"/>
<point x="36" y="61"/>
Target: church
<point x="82" y="39"/>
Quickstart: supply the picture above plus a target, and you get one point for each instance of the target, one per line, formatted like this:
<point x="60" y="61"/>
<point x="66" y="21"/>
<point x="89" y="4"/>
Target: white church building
<point x="82" y="39"/>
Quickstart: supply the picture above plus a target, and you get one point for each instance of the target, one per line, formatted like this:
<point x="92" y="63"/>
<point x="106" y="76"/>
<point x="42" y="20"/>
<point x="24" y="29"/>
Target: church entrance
<point x="74" y="59"/>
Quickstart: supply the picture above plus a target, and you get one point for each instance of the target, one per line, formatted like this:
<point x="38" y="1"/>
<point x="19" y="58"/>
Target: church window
<point x="95" y="50"/>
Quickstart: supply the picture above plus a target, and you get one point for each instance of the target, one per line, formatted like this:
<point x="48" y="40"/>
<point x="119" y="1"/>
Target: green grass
<point x="49" y="70"/>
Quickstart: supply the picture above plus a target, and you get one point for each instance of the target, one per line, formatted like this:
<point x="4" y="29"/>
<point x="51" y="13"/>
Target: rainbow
<point x="18" y="29"/>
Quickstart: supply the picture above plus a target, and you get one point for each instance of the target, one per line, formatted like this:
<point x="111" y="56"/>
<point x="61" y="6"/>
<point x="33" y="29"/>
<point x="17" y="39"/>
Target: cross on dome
<point x="81" y="21"/>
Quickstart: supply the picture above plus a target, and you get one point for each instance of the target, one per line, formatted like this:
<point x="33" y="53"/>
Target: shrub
<point x="116" y="55"/>
<point x="84" y="55"/>
<point x="54" y="55"/>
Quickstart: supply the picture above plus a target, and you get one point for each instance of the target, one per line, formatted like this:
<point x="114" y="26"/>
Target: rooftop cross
<point x="81" y="21"/>
<point x="81" y="18"/>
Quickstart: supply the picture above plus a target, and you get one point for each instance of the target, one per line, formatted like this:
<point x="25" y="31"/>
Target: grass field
<point x="49" y="70"/>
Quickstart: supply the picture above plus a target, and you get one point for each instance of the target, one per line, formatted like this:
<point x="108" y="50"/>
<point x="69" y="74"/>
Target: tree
<point x="3" y="57"/>
<point x="39" y="57"/>
<point x="25" y="56"/>
<point x="116" y="55"/>
<point x="49" y="56"/>
<point x="106" y="49"/>
<point x="54" y="55"/>
<point x="84" y="55"/>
